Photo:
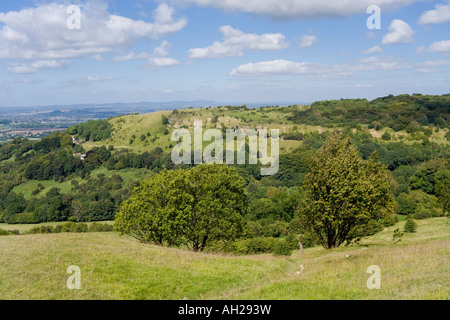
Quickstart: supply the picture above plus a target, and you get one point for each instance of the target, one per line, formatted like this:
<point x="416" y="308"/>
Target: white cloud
<point x="373" y="50"/>
<point x="376" y="63"/>
<point x="90" y="79"/>
<point x="236" y="42"/>
<point x="441" y="14"/>
<point x="440" y="46"/>
<point x="277" y="67"/>
<point x="160" y="58"/>
<point x="432" y="66"/>
<point x="287" y="67"/>
<point x="132" y="56"/>
<point x="160" y="51"/>
<point x="308" y="41"/>
<point x="161" y="62"/>
<point x="295" y="9"/>
<point x="41" y="34"/>
<point x="435" y="64"/>
<point x="399" y="32"/>
<point x="25" y="68"/>
<point x="156" y="60"/>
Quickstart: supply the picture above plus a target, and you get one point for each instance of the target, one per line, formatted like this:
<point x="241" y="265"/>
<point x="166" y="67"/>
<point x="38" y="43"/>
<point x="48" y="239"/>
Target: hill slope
<point x="34" y="267"/>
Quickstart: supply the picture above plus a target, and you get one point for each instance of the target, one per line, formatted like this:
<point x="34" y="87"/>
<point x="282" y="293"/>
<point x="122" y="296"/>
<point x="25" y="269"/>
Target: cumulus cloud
<point x="295" y="9"/>
<point x="441" y="14"/>
<point x="440" y="46"/>
<point x="161" y="62"/>
<point x="373" y="50"/>
<point x="277" y="67"/>
<point x="160" y="58"/>
<point x="287" y="67"/>
<point x="156" y="60"/>
<point x="308" y="41"/>
<point x="41" y="34"/>
<point x="236" y="42"/>
<point x="399" y="32"/>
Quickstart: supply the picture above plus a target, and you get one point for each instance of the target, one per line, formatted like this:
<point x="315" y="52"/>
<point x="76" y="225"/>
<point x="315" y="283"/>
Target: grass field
<point x="113" y="267"/>
<point x="128" y="175"/>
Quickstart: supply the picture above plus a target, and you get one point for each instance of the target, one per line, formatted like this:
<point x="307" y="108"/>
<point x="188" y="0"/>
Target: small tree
<point x="186" y="207"/>
<point x="386" y="136"/>
<point x="410" y="226"/>
<point x="343" y="192"/>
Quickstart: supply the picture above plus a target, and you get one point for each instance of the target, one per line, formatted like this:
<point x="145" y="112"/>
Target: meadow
<point x="114" y="267"/>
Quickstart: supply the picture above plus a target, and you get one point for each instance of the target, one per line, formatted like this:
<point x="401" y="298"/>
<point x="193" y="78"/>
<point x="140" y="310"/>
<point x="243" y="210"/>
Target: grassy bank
<point x="113" y="267"/>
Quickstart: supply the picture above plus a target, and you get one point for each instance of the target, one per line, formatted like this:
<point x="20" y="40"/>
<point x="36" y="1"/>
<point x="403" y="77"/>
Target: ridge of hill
<point x="85" y="172"/>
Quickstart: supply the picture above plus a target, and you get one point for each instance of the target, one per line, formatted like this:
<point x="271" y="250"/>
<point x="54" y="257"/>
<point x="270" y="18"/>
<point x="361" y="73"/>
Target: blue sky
<point x="254" y="51"/>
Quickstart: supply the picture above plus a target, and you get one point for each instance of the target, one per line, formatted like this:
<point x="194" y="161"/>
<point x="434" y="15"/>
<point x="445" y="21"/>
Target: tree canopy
<point x="186" y="207"/>
<point x="343" y="192"/>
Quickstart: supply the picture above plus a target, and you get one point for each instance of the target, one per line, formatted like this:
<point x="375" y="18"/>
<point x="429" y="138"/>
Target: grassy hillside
<point x="319" y="117"/>
<point x="113" y="267"/>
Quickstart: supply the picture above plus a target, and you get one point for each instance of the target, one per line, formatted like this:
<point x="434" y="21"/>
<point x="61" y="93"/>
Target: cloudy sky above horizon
<point x="253" y="51"/>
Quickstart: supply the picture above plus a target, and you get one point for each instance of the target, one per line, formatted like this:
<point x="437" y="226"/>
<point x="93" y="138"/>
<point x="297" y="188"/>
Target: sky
<point x="229" y="51"/>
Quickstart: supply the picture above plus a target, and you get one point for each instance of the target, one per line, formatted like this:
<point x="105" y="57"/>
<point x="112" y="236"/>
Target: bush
<point x="41" y="230"/>
<point x="308" y="240"/>
<point x="276" y="229"/>
<point x="98" y="227"/>
<point x="81" y="228"/>
<point x="255" y="245"/>
<point x="69" y="227"/>
<point x="282" y="248"/>
<point x="410" y="226"/>
<point x="259" y="245"/>
<point x="386" y="136"/>
<point x="5" y="232"/>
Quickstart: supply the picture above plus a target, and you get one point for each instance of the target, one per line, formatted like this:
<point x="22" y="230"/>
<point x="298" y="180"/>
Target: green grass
<point x="113" y="267"/>
<point x="28" y="187"/>
<point x="128" y="175"/>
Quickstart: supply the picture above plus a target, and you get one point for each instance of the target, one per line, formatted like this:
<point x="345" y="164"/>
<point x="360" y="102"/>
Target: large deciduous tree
<point x="186" y="207"/>
<point x="343" y="192"/>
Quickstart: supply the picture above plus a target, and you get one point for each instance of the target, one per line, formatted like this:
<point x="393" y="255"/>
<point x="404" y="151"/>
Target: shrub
<point x="410" y="226"/>
<point x="4" y="232"/>
<point x="308" y="240"/>
<point x="107" y="227"/>
<point x="276" y="229"/>
<point x="41" y="230"/>
<point x="282" y="248"/>
<point x="259" y="245"/>
<point x="69" y="227"/>
<point x="386" y="136"/>
<point x="98" y="227"/>
<point x="81" y="227"/>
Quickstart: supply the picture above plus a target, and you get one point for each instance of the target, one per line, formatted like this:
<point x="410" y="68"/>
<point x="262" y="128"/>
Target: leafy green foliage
<point x="403" y="112"/>
<point x="343" y="192"/>
<point x="410" y="226"/>
<point x="186" y="207"/>
<point x="92" y="130"/>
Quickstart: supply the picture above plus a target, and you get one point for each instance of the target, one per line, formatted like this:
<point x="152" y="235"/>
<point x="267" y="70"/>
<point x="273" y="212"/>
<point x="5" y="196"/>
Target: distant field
<point x="113" y="267"/>
<point x="128" y="176"/>
<point x="28" y="187"/>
